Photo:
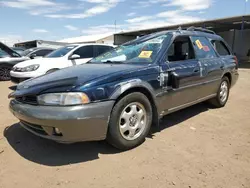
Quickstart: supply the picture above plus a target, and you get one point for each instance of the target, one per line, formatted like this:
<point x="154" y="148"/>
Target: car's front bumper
<point x="76" y="123"/>
<point x="16" y="76"/>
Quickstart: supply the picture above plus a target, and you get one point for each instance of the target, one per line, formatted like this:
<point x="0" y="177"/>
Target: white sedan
<point x="70" y="55"/>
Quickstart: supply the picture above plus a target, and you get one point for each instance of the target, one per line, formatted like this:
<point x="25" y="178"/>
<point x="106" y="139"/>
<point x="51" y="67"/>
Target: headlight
<point x="27" y="69"/>
<point x="63" y="99"/>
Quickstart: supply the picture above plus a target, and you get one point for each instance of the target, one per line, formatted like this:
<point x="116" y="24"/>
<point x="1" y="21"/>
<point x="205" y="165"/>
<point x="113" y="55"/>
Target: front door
<point x="181" y="61"/>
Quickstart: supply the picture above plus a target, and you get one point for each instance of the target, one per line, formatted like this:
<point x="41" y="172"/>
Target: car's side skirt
<point x="171" y="110"/>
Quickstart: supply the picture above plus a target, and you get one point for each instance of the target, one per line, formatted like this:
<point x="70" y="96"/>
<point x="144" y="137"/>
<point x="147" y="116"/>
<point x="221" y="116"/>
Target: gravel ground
<point x="196" y="147"/>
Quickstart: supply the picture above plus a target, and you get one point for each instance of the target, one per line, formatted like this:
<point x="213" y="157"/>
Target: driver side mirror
<point x="33" y="56"/>
<point x="74" y="56"/>
<point x="174" y="80"/>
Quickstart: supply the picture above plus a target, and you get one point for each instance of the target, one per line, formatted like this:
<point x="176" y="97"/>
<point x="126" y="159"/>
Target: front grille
<point x="18" y="80"/>
<point x="35" y="128"/>
<point x="15" y="80"/>
<point x="28" y="100"/>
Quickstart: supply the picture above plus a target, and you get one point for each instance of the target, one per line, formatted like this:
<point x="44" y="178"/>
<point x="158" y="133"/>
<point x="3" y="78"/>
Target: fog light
<point x="57" y="132"/>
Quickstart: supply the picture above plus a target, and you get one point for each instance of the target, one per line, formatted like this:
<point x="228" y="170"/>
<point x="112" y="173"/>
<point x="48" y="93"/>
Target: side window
<point x="221" y="48"/>
<point x="180" y="50"/>
<point x="101" y="49"/>
<point x="42" y="52"/>
<point x="85" y="52"/>
<point x="203" y="48"/>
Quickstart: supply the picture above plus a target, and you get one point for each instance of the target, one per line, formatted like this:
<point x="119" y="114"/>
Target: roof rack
<point x="192" y="28"/>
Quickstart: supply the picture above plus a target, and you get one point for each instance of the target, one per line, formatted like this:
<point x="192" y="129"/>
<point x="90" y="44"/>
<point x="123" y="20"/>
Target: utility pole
<point x="115" y="26"/>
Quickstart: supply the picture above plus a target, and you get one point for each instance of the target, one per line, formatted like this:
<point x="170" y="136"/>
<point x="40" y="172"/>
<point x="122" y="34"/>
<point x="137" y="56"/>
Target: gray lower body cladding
<point x="76" y="123"/>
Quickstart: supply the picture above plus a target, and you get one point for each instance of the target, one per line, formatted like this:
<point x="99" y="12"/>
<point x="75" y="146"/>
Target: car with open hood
<point x="120" y="94"/>
<point x="71" y="55"/>
<point x="8" y="58"/>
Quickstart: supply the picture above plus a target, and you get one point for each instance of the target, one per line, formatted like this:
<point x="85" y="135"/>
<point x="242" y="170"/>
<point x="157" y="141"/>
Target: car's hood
<point x="38" y="61"/>
<point x="12" y="59"/>
<point x="72" y="77"/>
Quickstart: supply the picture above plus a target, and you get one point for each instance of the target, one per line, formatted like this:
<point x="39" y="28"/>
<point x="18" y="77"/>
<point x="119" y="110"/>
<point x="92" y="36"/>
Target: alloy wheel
<point x="132" y="121"/>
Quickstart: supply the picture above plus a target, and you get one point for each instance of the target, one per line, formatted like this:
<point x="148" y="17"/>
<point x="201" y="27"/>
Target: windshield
<point x="7" y="52"/>
<point x="61" y="51"/>
<point x="139" y="51"/>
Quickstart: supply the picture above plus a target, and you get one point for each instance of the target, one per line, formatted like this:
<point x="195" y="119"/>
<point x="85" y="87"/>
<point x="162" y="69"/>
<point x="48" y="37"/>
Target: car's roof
<point x="189" y="33"/>
<point x="90" y="44"/>
<point x="40" y="48"/>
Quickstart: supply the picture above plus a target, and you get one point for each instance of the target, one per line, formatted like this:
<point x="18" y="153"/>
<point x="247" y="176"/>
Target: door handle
<point x="171" y="69"/>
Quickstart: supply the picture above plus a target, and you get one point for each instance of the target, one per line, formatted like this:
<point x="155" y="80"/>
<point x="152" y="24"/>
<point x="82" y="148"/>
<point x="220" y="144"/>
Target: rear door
<point x="41" y="53"/>
<point x="86" y="53"/>
<point x="99" y="49"/>
<point x="212" y="66"/>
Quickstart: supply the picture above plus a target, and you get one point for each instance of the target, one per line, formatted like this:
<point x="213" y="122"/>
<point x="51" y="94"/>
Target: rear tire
<point x="222" y="94"/>
<point x="5" y="72"/>
<point x="130" y="121"/>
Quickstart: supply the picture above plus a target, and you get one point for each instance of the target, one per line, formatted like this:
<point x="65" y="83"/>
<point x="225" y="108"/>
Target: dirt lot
<point x="196" y="147"/>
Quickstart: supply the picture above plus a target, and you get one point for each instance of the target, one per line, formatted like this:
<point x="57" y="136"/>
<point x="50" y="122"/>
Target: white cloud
<point x="191" y="4"/>
<point x="26" y="4"/>
<point x="138" y="19"/>
<point x="36" y="7"/>
<point x="71" y="27"/>
<point x="10" y="40"/>
<point x="101" y="6"/>
<point x="168" y="13"/>
<point x="103" y="29"/>
<point x="161" y="19"/>
<point x="201" y="12"/>
<point x="131" y="14"/>
<point x="40" y="31"/>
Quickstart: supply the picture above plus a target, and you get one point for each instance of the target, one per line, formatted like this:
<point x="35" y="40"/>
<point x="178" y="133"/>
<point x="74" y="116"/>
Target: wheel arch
<point x="6" y="64"/>
<point x="142" y="88"/>
<point x="229" y="76"/>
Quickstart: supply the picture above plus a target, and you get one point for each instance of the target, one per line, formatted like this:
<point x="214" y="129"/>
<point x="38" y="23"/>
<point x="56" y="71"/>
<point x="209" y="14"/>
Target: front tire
<point x="130" y="121"/>
<point x="222" y="94"/>
<point x="5" y="72"/>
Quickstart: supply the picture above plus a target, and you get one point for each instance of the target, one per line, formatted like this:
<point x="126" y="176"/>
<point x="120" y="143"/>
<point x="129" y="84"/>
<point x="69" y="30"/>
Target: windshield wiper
<point x="112" y="62"/>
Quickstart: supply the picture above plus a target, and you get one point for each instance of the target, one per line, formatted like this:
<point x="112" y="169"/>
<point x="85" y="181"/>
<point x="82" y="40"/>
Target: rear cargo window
<point x="221" y="48"/>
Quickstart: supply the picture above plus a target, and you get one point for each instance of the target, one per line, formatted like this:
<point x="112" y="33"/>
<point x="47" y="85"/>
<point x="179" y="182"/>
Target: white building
<point x="107" y="38"/>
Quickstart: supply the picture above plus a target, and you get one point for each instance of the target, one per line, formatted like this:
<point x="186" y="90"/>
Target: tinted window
<point x="203" y="48"/>
<point x="27" y="52"/>
<point x="42" y="52"/>
<point x="85" y="52"/>
<point x="6" y="52"/>
<point x="61" y="51"/>
<point x="221" y="48"/>
<point x="102" y="49"/>
<point x="3" y="53"/>
<point x="180" y="50"/>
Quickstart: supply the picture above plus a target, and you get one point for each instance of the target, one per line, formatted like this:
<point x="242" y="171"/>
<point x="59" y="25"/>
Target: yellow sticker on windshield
<point x="145" y="54"/>
<point x="198" y="43"/>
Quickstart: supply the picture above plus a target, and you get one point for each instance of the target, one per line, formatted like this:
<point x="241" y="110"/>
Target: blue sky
<point x="58" y="19"/>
